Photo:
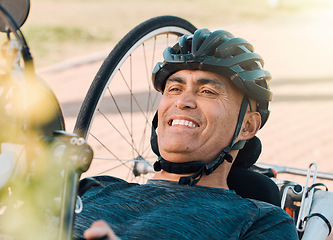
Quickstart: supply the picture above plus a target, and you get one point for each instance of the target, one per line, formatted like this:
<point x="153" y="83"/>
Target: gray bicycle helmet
<point x="222" y="53"/>
<point x="219" y="52"/>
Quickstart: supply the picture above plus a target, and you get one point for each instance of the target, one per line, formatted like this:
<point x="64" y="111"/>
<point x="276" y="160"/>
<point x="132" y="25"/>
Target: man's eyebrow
<point x="204" y="81"/>
<point x="175" y="79"/>
<point x="201" y="81"/>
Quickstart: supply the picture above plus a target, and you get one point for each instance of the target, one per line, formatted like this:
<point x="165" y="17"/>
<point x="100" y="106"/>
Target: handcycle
<point x="121" y="96"/>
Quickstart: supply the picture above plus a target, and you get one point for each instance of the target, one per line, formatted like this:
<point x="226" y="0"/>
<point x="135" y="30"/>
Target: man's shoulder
<point x="270" y="220"/>
<point x="101" y="182"/>
<point x="264" y="208"/>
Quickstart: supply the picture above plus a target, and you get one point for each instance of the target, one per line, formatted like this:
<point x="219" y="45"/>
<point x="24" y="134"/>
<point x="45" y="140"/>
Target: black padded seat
<point x="254" y="185"/>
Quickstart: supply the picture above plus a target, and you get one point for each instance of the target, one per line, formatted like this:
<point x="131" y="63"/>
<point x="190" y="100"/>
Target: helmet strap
<point x="153" y="135"/>
<point x="199" y="167"/>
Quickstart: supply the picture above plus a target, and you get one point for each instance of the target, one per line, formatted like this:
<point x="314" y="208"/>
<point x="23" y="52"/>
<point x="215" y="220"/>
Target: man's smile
<point x="183" y="122"/>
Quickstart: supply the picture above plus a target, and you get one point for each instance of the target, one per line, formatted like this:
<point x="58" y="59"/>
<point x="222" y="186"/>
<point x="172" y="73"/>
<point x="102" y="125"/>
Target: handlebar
<point x="295" y="171"/>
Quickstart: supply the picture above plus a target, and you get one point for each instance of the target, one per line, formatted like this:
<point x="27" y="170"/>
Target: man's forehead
<point x="199" y="77"/>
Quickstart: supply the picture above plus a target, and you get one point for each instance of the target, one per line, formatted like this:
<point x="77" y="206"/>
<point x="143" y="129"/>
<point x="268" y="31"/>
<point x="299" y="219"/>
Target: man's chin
<point x="179" y="155"/>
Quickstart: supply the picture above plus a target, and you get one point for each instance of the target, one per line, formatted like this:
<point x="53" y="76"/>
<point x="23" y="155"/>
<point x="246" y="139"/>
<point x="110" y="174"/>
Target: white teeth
<point x="174" y="122"/>
<point x="183" y="122"/>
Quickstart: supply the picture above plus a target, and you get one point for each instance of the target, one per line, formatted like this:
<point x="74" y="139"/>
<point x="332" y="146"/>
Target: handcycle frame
<point x="292" y="193"/>
<point x="308" y="204"/>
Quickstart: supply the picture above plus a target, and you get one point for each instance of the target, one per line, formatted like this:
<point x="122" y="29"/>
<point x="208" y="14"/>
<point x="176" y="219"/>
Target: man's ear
<point x="250" y="126"/>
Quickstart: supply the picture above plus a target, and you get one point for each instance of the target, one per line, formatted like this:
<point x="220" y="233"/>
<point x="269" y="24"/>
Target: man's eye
<point x="206" y="91"/>
<point x="173" y="89"/>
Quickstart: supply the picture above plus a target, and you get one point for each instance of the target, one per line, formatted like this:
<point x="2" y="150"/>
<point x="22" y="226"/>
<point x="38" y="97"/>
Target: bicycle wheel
<point x="117" y="111"/>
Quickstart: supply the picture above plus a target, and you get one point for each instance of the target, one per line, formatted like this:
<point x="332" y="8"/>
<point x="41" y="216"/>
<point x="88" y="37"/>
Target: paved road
<point x="298" y="52"/>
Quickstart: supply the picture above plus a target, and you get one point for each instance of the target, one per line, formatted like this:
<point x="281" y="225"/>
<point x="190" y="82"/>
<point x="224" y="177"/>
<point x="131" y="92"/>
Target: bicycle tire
<point x="148" y="32"/>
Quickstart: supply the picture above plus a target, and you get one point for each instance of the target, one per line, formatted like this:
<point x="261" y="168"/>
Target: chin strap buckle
<point x="193" y="179"/>
<point x="186" y="181"/>
<point x="225" y="155"/>
<point x="157" y="166"/>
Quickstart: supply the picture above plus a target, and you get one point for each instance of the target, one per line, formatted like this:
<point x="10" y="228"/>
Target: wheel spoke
<point x="130" y="132"/>
<point x="118" y="131"/>
<point x="102" y="144"/>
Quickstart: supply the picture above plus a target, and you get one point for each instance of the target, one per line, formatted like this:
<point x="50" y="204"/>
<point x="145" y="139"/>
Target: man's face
<point x="197" y="116"/>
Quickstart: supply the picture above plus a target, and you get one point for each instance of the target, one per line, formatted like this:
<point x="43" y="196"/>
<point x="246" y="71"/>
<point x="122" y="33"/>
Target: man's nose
<point x="186" y="100"/>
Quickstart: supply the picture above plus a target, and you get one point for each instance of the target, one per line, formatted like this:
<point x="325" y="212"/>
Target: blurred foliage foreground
<point x="40" y="164"/>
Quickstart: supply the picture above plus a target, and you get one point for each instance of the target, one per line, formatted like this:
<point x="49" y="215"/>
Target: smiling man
<point x="215" y="98"/>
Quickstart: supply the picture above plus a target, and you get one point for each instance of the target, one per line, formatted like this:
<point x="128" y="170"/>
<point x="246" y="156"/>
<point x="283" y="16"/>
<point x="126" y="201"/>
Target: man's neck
<point x="218" y="179"/>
